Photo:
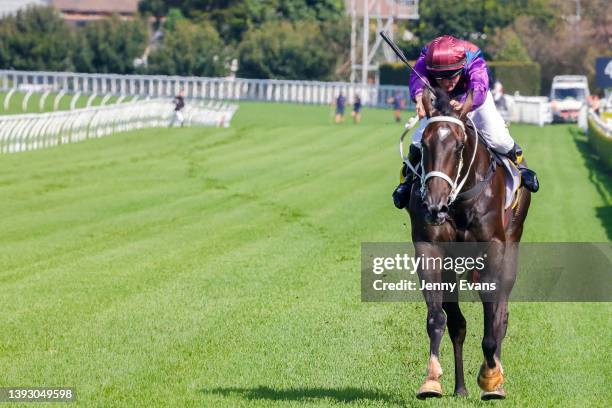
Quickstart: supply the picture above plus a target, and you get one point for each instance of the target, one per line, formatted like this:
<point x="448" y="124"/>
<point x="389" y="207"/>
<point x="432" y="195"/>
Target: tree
<point x="286" y="51"/>
<point x="473" y="20"/>
<point x="567" y="45"/>
<point x="506" y="45"/>
<point x="174" y="15"/>
<point x="111" y="45"/>
<point x="157" y="8"/>
<point x="36" y="39"/>
<point x="190" y="49"/>
<point x="233" y="18"/>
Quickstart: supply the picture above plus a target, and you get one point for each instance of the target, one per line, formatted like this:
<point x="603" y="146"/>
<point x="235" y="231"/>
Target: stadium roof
<point x="96" y="6"/>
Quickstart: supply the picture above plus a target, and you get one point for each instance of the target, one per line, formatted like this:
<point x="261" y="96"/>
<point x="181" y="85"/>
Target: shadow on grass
<point x="599" y="175"/>
<point x="346" y="394"/>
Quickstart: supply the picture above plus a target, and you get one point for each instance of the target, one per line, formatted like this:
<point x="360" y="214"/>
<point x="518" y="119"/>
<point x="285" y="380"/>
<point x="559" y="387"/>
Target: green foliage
<point x="335" y="38"/>
<point x="394" y="74"/>
<point x="173" y="16"/>
<point x="286" y="51"/>
<point x="507" y="46"/>
<point x="233" y="18"/>
<point x="36" y="39"/>
<point x="157" y="8"/>
<point x="191" y="49"/>
<point x="474" y="20"/>
<point x="110" y="45"/>
<point x="523" y="77"/>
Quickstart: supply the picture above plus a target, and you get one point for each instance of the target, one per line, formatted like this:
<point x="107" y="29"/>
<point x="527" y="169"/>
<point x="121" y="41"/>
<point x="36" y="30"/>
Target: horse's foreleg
<point x="491" y="374"/>
<point x="456" y="329"/>
<point x="500" y="325"/>
<point x="500" y="322"/>
<point x="436" y="322"/>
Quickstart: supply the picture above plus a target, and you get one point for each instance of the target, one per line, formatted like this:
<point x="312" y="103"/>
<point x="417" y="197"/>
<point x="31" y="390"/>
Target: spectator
<point x="340" y="102"/>
<point x="357" y="110"/>
<point x="179" y="104"/>
<point x="595" y="103"/>
<point x="397" y="102"/>
<point x="498" y="96"/>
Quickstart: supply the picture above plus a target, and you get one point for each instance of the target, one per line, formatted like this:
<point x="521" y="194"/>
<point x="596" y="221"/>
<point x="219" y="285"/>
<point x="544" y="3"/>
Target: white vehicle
<point x="568" y="95"/>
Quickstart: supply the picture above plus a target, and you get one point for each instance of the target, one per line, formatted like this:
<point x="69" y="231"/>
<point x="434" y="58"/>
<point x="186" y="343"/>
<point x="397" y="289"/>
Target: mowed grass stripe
<point x="196" y="282"/>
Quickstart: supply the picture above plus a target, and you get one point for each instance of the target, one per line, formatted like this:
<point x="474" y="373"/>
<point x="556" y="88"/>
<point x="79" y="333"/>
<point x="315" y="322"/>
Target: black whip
<point x="402" y="57"/>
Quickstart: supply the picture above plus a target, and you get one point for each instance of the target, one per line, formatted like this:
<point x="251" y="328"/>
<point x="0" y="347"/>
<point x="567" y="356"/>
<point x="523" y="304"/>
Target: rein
<point x="455" y="184"/>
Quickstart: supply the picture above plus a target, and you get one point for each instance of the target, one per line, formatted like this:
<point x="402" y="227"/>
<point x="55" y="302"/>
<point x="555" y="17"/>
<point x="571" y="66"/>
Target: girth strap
<point x="477" y="189"/>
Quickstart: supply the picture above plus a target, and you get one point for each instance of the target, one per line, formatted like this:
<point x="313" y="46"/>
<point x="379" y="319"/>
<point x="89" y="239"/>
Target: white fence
<point x="529" y="109"/>
<point x="35" y="131"/>
<point x="525" y="109"/>
<point x="157" y="86"/>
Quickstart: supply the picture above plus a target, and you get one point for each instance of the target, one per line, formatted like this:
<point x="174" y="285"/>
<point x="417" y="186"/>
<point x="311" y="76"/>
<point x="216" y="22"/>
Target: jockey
<point x="458" y="67"/>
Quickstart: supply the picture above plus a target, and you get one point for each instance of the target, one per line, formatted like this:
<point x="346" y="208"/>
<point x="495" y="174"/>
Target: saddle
<point x="512" y="176"/>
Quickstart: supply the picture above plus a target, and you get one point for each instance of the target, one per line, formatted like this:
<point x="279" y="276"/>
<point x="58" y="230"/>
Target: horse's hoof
<point x="497" y="394"/>
<point x="490" y="379"/>
<point x="461" y="392"/>
<point x="430" y="389"/>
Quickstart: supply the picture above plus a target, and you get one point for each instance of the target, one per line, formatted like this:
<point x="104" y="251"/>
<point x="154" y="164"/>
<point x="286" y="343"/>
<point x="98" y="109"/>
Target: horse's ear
<point x="428" y="103"/>
<point x="467" y="105"/>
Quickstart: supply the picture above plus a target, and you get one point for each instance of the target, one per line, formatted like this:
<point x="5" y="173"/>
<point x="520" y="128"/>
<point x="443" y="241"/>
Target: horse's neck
<point x="481" y="164"/>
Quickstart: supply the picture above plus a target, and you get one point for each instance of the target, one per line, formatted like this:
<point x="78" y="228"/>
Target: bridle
<point x="455" y="184"/>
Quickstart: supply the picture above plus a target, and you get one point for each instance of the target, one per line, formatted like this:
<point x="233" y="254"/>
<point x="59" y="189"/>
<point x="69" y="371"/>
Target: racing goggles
<point x="447" y="74"/>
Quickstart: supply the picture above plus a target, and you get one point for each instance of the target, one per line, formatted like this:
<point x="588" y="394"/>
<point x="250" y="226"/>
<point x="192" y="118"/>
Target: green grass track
<point x="203" y="267"/>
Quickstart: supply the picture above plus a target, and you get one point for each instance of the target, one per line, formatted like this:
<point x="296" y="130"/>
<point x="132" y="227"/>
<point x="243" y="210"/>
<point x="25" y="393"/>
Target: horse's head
<point x="443" y="143"/>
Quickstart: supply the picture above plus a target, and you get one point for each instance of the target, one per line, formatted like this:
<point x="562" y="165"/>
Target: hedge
<point x="394" y="74"/>
<point x="601" y="141"/>
<point x="523" y="77"/>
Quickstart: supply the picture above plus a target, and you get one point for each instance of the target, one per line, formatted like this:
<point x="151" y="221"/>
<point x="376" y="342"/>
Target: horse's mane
<point x="443" y="106"/>
<point x="442" y="102"/>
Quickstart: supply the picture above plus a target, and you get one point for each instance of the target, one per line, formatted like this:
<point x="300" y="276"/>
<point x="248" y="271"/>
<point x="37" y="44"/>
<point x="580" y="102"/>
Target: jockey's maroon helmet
<point x="445" y="56"/>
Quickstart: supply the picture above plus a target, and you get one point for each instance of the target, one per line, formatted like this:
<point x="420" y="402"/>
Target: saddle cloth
<point x="513" y="181"/>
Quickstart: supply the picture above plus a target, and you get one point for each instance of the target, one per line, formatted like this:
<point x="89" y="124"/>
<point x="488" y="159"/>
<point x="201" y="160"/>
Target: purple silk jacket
<point x="474" y="76"/>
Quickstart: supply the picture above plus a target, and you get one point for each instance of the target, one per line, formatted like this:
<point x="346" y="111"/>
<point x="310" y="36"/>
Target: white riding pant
<point x="490" y="125"/>
<point x="177" y="117"/>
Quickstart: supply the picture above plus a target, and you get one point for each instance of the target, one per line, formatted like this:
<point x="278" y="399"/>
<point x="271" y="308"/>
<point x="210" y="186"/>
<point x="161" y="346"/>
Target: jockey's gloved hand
<point x="516" y="154"/>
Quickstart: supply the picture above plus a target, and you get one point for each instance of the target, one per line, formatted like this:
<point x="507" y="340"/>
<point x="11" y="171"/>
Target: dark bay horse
<point x="460" y="198"/>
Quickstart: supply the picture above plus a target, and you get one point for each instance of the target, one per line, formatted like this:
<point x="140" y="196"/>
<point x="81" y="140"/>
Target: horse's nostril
<point x="444" y="209"/>
<point x="433" y="209"/>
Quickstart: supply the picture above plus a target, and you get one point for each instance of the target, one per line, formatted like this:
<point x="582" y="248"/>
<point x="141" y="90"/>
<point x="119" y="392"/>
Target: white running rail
<point x="159" y="86"/>
<point x="40" y="130"/>
<point x="529" y="109"/>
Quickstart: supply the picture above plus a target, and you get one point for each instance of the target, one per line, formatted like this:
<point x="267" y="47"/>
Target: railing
<point x="35" y="131"/>
<point x="158" y="86"/>
<point x="529" y="109"/>
<point x="525" y="109"/>
<point x="600" y="137"/>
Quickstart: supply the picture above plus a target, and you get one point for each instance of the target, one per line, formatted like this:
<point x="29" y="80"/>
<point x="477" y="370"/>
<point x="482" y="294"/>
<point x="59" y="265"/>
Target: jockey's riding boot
<point x="401" y="194"/>
<point x="529" y="177"/>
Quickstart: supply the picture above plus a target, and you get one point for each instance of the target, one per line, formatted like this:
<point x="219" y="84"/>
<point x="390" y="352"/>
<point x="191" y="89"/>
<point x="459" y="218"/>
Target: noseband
<point x="455" y="184"/>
